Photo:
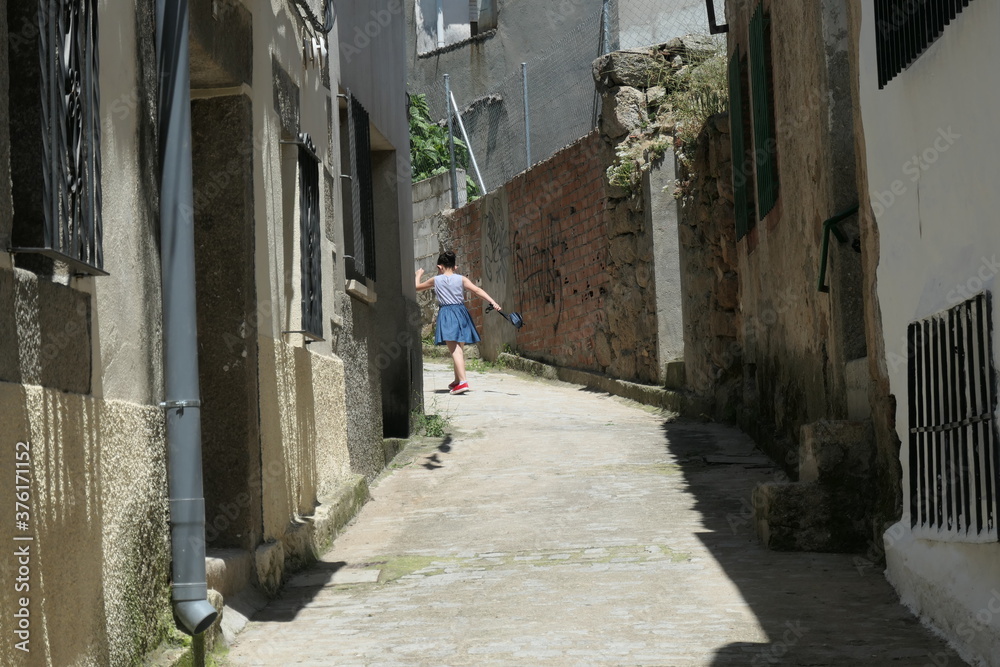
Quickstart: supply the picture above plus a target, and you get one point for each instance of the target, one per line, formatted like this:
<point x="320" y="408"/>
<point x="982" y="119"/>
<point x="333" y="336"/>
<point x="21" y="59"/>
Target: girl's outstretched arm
<point x="479" y="291"/>
<point x="427" y="284"/>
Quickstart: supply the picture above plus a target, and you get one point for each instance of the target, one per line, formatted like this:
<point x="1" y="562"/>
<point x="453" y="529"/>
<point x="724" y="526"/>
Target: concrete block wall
<point x="431" y="197"/>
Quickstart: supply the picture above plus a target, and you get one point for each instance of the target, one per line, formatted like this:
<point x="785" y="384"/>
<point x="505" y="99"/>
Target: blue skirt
<point x="455" y="324"/>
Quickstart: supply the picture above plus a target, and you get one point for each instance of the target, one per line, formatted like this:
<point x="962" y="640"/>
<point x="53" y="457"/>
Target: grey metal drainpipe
<point x="180" y="336"/>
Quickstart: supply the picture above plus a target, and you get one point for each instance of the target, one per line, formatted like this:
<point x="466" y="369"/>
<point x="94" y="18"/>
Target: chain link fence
<point x="562" y="104"/>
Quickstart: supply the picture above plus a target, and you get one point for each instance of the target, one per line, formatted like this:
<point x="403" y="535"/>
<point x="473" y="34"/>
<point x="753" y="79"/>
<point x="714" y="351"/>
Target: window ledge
<point x="361" y="291"/>
<point x="481" y="37"/>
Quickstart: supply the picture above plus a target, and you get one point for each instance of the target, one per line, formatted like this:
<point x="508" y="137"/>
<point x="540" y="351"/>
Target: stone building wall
<point x="710" y="282"/>
<point x="888" y="497"/>
<point x="81" y="375"/>
<point x="81" y="358"/>
<point x="796" y="340"/>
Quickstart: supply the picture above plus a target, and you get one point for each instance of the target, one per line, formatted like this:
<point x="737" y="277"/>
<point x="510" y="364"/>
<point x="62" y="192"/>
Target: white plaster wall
<point x="646" y="22"/>
<point x="456" y="22"/>
<point x="931" y="157"/>
<point x="127" y="350"/>
<point x="302" y="392"/>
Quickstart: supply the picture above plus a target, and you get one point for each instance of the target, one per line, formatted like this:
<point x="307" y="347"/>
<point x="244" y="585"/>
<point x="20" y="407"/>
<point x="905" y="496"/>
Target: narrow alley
<point x="559" y="526"/>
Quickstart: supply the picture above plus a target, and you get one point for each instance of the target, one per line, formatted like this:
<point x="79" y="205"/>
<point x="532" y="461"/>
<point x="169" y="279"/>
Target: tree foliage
<point x="429" y="154"/>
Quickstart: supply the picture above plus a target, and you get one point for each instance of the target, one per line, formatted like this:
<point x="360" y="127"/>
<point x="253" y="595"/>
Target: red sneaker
<point x="460" y="388"/>
<point x="452" y="385"/>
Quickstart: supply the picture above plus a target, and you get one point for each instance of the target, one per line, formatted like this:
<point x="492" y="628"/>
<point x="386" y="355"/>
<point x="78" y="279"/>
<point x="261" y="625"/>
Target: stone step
<point x="826" y="509"/>
<point x="806" y="516"/>
<point x="839" y="454"/>
<point x="792" y="516"/>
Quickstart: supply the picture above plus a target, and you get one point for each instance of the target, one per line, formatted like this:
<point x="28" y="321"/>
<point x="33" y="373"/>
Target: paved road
<point x="558" y="526"/>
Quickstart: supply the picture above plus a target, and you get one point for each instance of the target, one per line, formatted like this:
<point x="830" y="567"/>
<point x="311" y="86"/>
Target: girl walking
<point x="454" y="324"/>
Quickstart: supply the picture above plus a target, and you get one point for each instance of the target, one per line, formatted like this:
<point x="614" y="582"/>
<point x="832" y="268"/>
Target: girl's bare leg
<point x="458" y="358"/>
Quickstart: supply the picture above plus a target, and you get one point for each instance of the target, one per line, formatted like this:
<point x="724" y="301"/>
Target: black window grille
<point x="739" y="123"/>
<point x="309" y="238"/>
<point x="69" y="113"/>
<point x="905" y="28"/>
<point x="764" y="139"/>
<point x="953" y="454"/>
<point x="360" y="235"/>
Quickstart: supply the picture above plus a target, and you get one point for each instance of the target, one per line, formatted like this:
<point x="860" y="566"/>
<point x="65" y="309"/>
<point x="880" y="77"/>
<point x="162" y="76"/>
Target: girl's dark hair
<point x="447" y="259"/>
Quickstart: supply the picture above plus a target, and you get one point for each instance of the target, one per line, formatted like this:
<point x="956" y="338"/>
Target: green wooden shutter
<point x="740" y="165"/>
<point x="765" y="149"/>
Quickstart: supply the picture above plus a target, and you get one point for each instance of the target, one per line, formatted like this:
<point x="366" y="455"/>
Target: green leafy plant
<point x="429" y="151"/>
<point x="624" y="172"/>
<point x="698" y="91"/>
<point x="430" y="422"/>
<point x="434" y="426"/>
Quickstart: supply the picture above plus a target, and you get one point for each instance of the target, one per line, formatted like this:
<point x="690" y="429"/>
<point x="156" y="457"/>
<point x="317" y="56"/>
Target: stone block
<point x="624" y="221"/>
<point x="623" y="367"/>
<point x="228" y="570"/>
<point x="838" y="454"/>
<point x="623" y="112"/>
<point x="629" y="68"/>
<point x="655" y="96"/>
<point x="622" y="249"/>
<point x="688" y="236"/>
<point x="299" y="550"/>
<point x="602" y="349"/>
<point x="643" y="275"/>
<point x="270" y="561"/>
<point x="792" y="517"/>
<point x="214" y="633"/>
<point x="673" y="375"/>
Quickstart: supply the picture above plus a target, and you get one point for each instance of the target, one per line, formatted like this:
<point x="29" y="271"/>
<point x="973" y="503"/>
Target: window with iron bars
<point x="762" y="91"/>
<point x="359" y="201"/>
<point x="953" y="469"/>
<point x="58" y="198"/>
<point x="904" y="29"/>
<point x="310" y="265"/>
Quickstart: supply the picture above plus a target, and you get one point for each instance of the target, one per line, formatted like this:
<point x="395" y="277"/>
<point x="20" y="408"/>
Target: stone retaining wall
<point x="540" y="246"/>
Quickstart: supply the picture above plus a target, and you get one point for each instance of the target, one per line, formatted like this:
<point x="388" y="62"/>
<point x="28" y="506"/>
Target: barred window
<point x="904" y="29"/>
<point x="953" y="451"/>
<point x="310" y="265"/>
<point x="359" y="202"/>
<point x="57" y="195"/>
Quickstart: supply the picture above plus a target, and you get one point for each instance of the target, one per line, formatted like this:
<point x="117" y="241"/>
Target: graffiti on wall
<point x="537" y="270"/>
<point x="496" y="250"/>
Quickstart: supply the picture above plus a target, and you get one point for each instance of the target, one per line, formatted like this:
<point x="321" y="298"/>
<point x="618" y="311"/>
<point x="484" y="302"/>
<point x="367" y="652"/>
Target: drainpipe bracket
<point x="187" y="510"/>
<point x="180" y="405"/>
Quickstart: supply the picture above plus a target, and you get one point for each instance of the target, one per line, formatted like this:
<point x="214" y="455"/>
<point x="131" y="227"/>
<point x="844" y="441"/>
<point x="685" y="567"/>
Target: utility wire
<point x="310" y="16"/>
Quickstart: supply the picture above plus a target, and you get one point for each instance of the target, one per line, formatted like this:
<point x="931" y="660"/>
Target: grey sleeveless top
<point x="449" y="289"/>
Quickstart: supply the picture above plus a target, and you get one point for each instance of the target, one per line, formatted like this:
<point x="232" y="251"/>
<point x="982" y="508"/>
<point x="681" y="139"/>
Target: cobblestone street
<point x="559" y="526"/>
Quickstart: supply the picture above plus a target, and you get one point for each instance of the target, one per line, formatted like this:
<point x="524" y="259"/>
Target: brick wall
<point x="558" y="239"/>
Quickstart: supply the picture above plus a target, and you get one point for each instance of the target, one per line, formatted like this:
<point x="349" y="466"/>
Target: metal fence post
<point x="527" y="115"/>
<point x="451" y="142"/>
<point x="468" y="144"/>
<point x="605" y="22"/>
